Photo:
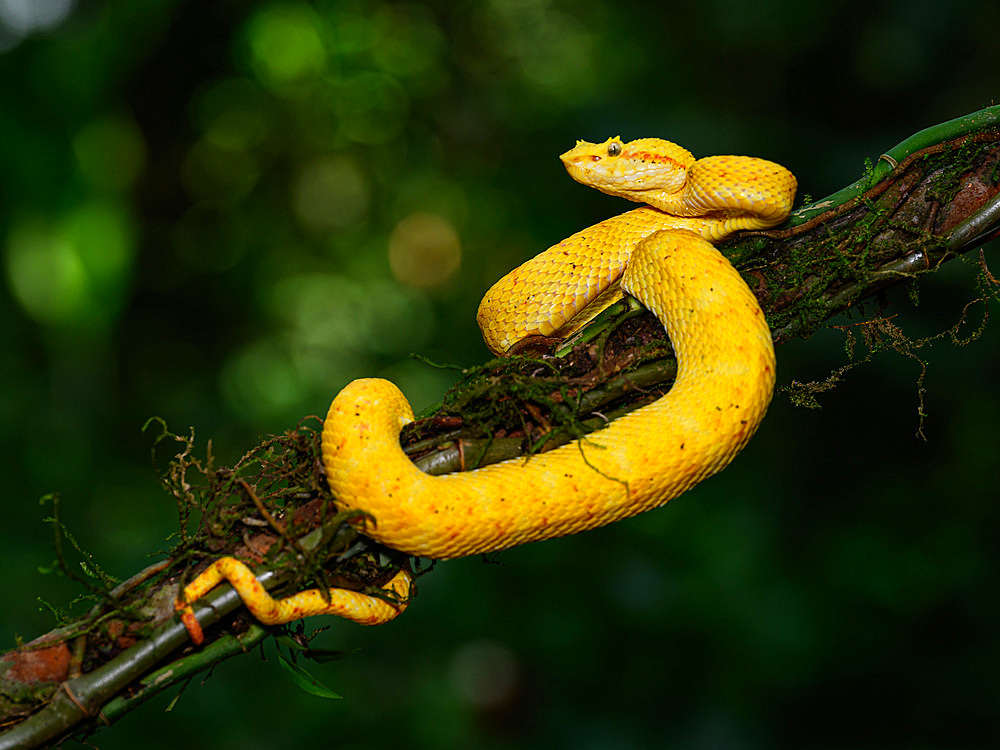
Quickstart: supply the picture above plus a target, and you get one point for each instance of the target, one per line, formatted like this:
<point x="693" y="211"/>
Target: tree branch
<point x="926" y="201"/>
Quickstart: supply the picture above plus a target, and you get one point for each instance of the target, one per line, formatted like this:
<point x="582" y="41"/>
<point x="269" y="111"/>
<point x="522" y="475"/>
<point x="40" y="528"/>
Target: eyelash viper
<point x="661" y="253"/>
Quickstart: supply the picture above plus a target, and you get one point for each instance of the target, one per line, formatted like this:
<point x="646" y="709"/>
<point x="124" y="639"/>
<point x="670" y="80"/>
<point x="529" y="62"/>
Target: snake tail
<point x="364" y="609"/>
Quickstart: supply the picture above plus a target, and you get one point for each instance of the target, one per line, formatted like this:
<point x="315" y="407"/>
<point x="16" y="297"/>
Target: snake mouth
<point x="629" y="170"/>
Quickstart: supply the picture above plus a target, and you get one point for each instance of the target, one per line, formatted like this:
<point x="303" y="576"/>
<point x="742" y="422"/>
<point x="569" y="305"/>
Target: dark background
<point x="219" y="213"/>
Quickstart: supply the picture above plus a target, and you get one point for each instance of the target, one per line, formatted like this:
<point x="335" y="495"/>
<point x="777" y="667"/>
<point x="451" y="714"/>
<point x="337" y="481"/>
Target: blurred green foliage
<point x="219" y="213"/>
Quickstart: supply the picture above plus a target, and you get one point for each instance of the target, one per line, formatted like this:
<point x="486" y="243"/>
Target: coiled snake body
<point x="661" y="254"/>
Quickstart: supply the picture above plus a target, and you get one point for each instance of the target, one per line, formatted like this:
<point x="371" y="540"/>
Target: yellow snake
<point x="661" y="253"/>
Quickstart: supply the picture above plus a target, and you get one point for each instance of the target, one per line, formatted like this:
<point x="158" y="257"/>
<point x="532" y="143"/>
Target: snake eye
<point x="614" y="148"/>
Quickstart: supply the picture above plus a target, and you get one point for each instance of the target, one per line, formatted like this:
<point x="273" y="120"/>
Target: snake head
<point x="637" y="170"/>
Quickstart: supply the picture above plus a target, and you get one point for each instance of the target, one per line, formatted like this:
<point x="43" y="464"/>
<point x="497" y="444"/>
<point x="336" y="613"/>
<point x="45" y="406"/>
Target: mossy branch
<point x="931" y="198"/>
<point x="924" y="202"/>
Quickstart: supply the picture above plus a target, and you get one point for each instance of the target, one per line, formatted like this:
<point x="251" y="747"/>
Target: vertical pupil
<point x="614" y="149"/>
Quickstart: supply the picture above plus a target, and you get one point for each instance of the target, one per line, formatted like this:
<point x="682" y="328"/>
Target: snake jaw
<point x="640" y="170"/>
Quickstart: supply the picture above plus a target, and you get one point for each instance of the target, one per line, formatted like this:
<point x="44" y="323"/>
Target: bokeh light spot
<point x="286" y="45"/>
<point x="372" y="107"/>
<point x="110" y="152"/>
<point x="330" y="193"/>
<point x="552" y="51"/>
<point x="484" y="673"/>
<point x="261" y="381"/>
<point x="219" y="173"/>
<point x="560" y="63"/>
<point x="323" y="310"/>
<point x="22" y="17"/>
<point x="232" y="116"/>
<point x="75" y="271"/>
<point x="424" y="250"/>
<point x="408" y="41"/>
<point x="325" y="315"/>
<point x="400" y="319"/>
<point x="45" y="272"/>
<point x="350" y="33"/>
<point x="103" y="237"/>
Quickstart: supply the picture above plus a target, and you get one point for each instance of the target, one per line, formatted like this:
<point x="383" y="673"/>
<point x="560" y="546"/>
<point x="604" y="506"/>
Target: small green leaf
<point x="282" y="639"/>
<point x="305" y="680"/>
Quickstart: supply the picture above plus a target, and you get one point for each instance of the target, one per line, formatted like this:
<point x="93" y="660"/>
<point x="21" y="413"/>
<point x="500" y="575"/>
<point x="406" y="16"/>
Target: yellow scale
<point x="662" y="255"/>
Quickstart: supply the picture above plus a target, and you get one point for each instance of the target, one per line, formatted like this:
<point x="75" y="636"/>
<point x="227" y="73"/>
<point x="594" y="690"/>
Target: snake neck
<point x="741" y="192"/>
<point x="537" y="298"/>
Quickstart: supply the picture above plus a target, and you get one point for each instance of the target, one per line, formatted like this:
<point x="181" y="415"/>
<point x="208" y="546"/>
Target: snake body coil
<point x="640" y="461"/>
<point x="660" y="253"/>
